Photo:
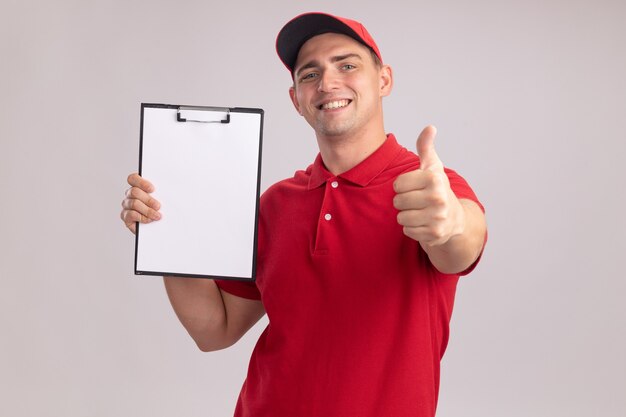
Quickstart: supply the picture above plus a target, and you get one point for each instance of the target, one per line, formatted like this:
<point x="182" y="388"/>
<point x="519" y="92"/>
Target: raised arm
<point x="213" y="318"/>
<point x="450" y="230"/>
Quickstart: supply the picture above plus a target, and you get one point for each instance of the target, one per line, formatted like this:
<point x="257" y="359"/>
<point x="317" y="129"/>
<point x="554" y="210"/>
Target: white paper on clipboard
<point x="205" y="164"/>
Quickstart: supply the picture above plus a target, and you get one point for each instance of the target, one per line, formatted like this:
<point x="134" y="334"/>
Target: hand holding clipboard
<point x="206" y="165"/>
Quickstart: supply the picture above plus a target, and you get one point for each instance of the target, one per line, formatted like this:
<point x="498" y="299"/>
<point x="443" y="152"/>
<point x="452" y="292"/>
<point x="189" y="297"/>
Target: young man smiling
<point x="359" y="255"/>
<point x="338" y="88"/>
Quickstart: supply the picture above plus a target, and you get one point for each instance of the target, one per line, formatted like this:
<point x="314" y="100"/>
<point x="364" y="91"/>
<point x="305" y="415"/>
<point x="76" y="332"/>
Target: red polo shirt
<point x="358" y="316"/>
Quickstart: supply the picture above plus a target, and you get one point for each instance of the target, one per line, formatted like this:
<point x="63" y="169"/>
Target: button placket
<point x="326" y="216"/>
<point x="333" y="184"/>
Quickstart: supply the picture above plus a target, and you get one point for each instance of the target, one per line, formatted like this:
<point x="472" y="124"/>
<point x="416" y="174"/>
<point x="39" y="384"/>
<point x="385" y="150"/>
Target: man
<point x="359" y="255"/>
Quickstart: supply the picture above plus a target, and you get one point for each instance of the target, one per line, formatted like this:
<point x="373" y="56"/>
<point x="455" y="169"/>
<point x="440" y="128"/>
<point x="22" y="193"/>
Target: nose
<point x="328" y="81"/>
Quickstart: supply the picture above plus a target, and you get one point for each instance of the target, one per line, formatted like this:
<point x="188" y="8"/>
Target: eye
<point x="347" y="67"/>
<point x="308" y="76"/>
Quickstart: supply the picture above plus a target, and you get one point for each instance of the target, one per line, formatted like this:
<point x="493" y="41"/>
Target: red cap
<point x="305" y="26"/>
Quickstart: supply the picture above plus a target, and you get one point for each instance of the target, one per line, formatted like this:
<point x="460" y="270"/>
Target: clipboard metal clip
<point x="203" y="114"/>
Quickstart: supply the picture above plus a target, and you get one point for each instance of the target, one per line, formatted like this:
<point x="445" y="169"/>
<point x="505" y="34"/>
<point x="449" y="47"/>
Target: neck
<point x="340" y="154"/>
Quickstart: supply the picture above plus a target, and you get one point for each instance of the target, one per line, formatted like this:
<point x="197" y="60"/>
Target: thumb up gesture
<point x="429" y="211"/>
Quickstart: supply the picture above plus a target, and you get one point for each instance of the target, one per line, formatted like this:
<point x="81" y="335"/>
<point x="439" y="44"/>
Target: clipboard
<point x="205" y="164"/>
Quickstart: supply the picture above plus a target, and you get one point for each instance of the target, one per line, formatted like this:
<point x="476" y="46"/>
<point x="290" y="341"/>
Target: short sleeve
<point x="241" y="289"/>
<point x="461" y="189"/>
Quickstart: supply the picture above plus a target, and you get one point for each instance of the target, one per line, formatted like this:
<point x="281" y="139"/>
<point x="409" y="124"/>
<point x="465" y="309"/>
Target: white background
<point x="529" y="99"/>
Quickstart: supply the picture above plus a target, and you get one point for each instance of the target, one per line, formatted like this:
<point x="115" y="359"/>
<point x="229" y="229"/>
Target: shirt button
<point x="327" y="216"/>
<point x="334" y="184"/>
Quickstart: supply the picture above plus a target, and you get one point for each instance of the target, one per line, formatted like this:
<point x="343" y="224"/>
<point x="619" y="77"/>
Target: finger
<point x="132" y="226"/>
<point x="131" y="218"/>
<point x="132" y="204"/>
<point x="409" y="181"/>
<point x="424" y="235"/>
<point x="429" y="160"/>
<point x="135" y="180"/>
<point x="135" y="193"/>
<point x="412" y="218"/>
<point x="411" y="200"/>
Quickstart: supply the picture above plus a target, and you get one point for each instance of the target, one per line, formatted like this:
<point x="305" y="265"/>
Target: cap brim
<point x="302" y="28"/>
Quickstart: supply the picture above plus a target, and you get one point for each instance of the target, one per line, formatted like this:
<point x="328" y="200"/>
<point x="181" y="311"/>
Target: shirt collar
<point x="364" y="172"/>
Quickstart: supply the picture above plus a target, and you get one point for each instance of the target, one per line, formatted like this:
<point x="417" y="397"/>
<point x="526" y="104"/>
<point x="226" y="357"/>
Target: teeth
<point x="335" y="104"/>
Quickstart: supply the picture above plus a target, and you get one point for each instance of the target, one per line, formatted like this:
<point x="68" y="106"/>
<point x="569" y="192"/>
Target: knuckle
<point x="437" y="199"/>
<point x="134" y="204"/>
<point x="438" y="232"/>
<point x="128" y="217"/>
<point x="133" y="193"/>
<point x="434" y="180"/>
<point x="440" y="215"/>
<point x="152" y="202"/>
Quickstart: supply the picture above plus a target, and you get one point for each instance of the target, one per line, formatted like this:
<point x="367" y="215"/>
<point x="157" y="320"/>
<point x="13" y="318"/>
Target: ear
<point x="294" y="99"/>
<point x="386" y="80"/>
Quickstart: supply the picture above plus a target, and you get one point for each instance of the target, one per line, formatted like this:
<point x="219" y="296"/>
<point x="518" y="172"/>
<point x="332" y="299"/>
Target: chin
<point x="335" y="129"/>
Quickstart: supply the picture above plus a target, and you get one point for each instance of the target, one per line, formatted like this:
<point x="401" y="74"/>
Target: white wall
<point x="529" y="99"/>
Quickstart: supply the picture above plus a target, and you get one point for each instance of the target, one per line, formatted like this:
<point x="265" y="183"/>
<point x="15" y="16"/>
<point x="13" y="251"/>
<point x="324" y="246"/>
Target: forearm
<point x="462" y="249"/>
<point x="200" y="308"/>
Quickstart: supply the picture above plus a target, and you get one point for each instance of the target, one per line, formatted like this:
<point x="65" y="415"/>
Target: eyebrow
<point x="337" y="58"/>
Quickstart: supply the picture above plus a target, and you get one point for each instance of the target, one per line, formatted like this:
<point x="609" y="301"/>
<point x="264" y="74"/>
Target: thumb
<point x="429" y="160"/>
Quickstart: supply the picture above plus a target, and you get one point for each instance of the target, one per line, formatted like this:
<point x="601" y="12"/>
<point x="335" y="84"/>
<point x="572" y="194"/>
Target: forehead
<point x="328" y="45"/>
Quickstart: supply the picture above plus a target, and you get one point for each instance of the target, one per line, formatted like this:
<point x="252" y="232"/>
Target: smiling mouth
<point x="337" y="104"/>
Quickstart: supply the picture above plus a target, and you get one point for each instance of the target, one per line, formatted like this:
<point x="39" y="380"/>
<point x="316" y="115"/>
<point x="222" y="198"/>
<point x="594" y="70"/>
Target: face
<point x="338" y="87"/>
